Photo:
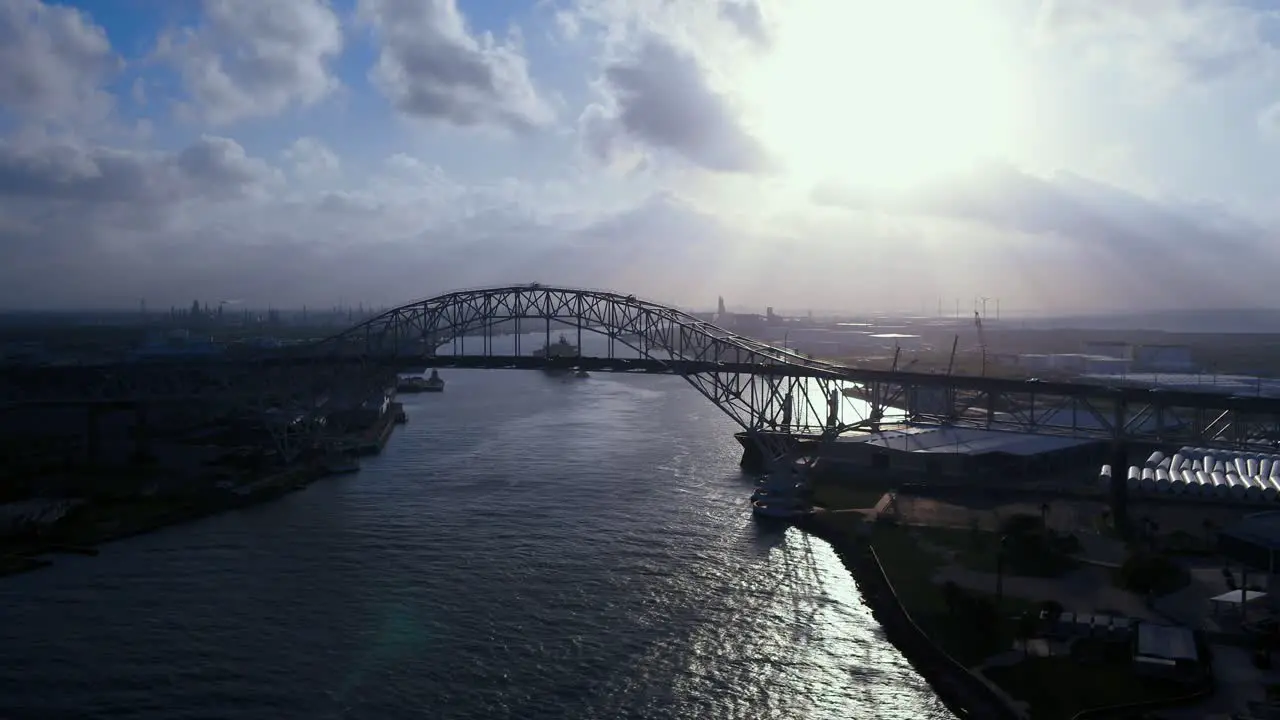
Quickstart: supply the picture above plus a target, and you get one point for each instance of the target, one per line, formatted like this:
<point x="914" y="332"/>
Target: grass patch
<point x="1057" y="688"/>
<point x="911" y="567"/>
<point x="842" y="493"/>
<point x="1030" y="555"/>
<point x="846" y="498"/>
<point x="1145" y="572"/>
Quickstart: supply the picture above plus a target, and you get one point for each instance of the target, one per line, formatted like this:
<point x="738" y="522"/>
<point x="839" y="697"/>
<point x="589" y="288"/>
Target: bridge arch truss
<point x="767" y="391"/>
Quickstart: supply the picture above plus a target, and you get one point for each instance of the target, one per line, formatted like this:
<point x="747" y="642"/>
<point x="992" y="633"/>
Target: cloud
<point x="661" y="97"/>
<point x="249" y="58"/>
<point x="52" y="61"/>
<point x="1151" y="249"/>
<point x="310" y="157"/>
<point x="747" y="16"/>
<point x="1168" y="42"/>
<point x="432" y="68"/>
<point x="212" y="167"/>
<point x="1269" y="121"/>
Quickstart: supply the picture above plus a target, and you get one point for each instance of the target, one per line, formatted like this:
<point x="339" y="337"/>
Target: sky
<point x="1072" y="156"/>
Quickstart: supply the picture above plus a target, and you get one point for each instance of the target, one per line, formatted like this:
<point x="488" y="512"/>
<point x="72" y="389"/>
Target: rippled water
<point x="526" y="547"/>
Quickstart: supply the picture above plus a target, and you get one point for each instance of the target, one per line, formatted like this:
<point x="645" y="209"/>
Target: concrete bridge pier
<point x="1120" y="487"/>
<point x="92" y="435"/>
<point x="141" y="434"/>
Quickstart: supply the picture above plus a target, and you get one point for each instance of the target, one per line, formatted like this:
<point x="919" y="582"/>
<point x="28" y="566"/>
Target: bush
<point x="1021" y="525"/>
<point x="1149" y="573"/>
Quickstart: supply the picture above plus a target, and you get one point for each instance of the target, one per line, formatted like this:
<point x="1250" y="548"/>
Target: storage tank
<point x="1252" y="490"/>
<point x="1205" y="481"/>
<point x="1207" y="462"/>
<point x="1134" y="477"/>
<point x="1148" y="481"/>
<point x="1221" y="486"/>
<point x="1155" y="458"/>
<point x="1162" y="480"/>
<point x="1264" y="467"/>
<point x="1275" y="467"/>
<point x="1237" y="485"/>
<point x="1104" y="476"/>
<point x="1197" y="465"/>
<point x="1240" y="466"/>
<point x="1175" y="462"/>
<point x="1271" y="489"/>
<point x="1219" y="466"/>
<point x="1191" y="482"/>
<point x="1251" y="464"/>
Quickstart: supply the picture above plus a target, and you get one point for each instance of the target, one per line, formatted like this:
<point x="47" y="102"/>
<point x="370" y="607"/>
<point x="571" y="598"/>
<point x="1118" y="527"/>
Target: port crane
<point x="982" y="341"/>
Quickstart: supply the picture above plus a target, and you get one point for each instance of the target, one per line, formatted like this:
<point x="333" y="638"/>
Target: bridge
<point x="767" y="391"/>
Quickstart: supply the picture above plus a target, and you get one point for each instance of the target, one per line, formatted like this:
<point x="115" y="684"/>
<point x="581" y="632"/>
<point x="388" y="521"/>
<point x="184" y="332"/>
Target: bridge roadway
<point x="73" y="375"/>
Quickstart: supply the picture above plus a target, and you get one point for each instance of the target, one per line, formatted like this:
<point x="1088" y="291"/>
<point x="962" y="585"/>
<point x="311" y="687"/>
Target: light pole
<point x="1004" y="539"/>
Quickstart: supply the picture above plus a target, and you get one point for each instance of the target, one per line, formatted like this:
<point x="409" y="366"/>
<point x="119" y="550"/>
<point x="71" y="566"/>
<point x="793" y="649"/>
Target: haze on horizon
<point x="1079" y="156"/>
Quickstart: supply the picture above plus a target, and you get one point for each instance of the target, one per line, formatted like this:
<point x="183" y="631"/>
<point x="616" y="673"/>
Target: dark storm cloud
<point x="748" y="18"/>
<point x="432" y="68"/>
<point x="52" y="59"/>
<point x="664" y="100"/>
<point x="210" y="167"/>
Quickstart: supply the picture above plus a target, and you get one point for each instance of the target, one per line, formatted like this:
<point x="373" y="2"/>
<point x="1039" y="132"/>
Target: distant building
<point x="1164" y="358"/>
<point x="1108" y="348"/>
<point x="744" y="323"/>
<point x="1078" y="363"/>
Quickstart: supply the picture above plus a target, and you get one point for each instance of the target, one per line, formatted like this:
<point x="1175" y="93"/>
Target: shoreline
<point x="963" y="693"/>
<point x="138" y="516"/>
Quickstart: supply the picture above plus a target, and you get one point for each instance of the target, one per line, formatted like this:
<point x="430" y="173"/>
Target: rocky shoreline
<point x="965" y="694"/>
<point x="96" y="522"/>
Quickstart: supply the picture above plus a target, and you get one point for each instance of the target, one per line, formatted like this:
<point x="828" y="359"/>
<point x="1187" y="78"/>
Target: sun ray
<point x="884" y="93"/>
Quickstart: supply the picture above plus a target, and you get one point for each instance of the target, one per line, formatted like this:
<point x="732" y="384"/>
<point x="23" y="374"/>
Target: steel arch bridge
<point x="767" y="391"/>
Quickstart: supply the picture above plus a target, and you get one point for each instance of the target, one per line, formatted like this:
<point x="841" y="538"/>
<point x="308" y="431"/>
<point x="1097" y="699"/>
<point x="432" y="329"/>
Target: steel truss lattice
<point x="765" y="390"/>
<point x="772" y="393"/>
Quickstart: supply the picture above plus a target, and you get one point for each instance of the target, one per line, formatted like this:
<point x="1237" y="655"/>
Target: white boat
<point x="342" y="465"/>
<point x="561" y="348"/>
<point x="433" y="383"/>
<point x="779" y="510"/>
<point x="582" y="374"/>
<point x="779" y="493"/>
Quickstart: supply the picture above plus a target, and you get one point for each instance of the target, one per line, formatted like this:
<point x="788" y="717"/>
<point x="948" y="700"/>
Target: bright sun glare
<point x="883" y="93"/>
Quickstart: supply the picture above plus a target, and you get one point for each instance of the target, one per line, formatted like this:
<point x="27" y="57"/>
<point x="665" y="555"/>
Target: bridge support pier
<point x="92" y="435"/>
<point x="141" y="434"/>
<point x="1120" y="487"/>
<point x="757" y="456"/>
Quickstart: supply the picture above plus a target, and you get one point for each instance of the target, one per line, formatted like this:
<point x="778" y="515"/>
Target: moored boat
<point x="562" y="348"/>
<point x="780" y="509"/>
<point x="342" y="464"/>
<point x="433" y="383"/>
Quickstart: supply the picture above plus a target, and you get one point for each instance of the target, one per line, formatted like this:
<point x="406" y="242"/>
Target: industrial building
<point x="1245" y="385"/>
<point x="962" y="454"/>
<point x="1077" y="363"/>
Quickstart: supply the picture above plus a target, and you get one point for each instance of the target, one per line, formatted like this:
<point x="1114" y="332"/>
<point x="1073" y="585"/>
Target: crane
<point x="982" y="341"/>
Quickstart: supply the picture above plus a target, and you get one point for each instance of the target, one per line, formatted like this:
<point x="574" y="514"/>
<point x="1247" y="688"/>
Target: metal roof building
<point x="968" y="441"/>
<point x="961" y="453"/>
<point x="1254" y="541"/>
